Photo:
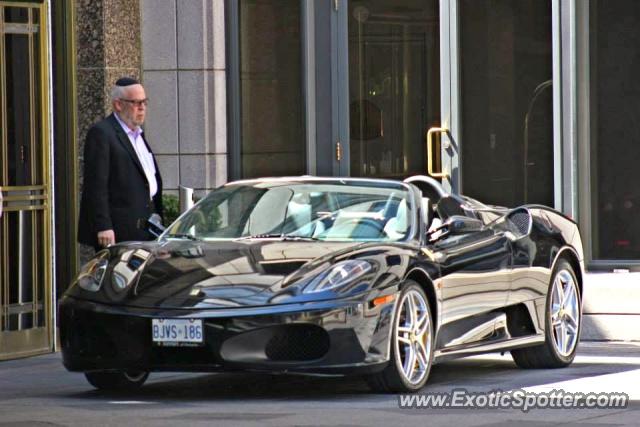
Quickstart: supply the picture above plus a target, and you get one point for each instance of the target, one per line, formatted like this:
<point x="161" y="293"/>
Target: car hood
<point x="185" y="274"/>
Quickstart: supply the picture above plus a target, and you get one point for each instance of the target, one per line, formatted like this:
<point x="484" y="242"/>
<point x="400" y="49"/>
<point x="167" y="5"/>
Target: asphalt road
<point x="39" y="392"/>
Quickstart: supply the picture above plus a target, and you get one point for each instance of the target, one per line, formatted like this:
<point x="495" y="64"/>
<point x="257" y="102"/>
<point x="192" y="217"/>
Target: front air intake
<point x="297" y="343"/>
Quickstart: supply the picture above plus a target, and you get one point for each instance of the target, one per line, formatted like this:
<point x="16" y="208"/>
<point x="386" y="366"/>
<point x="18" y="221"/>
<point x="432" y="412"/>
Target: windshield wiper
<point x="293" y="237"/>
<point x="182" y="236"/>
<point x="286" y="237"/>
<point x="260" y="236"/>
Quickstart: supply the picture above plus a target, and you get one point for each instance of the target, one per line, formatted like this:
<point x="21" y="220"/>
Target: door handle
<point x="430" y="132"/>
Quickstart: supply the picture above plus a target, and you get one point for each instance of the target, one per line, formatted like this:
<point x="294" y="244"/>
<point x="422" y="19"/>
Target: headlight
<point x="339" y="275"/>
<point x="92" y="273"/>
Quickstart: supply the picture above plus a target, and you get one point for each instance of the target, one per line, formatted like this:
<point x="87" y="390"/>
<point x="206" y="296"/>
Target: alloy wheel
<point x="413" y="336"/>
<point x="565" y="312"/>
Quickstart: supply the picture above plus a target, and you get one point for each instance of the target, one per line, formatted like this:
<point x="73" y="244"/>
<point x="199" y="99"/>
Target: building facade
<point x="511" y="102"/>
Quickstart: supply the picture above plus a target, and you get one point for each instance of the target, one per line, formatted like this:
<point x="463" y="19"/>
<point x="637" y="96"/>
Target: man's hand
<point x="106" y="238"/>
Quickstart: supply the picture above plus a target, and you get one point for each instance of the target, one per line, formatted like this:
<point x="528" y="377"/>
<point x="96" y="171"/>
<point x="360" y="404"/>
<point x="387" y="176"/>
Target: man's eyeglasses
<point x="136" y="102"/>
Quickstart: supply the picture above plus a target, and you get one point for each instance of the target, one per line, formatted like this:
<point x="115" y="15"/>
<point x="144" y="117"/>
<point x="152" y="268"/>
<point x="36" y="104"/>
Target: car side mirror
<point x="154" y="225"/>
<point x="459" y="224"/>
<point x="456" y="225"/>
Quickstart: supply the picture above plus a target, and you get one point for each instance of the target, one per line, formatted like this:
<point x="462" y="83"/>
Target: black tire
<point x="116" y="380"/>
<point x="550" y="355"/>
<point x="393" y="378"/>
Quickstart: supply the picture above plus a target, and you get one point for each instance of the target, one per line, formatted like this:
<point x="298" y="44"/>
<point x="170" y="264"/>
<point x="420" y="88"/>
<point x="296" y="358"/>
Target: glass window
<point x="615" y="129"/>
<point x="18" y="115"/>
<point x="507" y="103"/>
<point x="394" y="85"/>
<point x="272" y="107"/>
<point x="16" y="15"/>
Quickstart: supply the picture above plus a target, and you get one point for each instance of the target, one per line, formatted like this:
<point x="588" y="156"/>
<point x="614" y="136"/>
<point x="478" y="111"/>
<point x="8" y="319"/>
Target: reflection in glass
<point x="18" y="108"/>
<point x="273" y="139"/>
<point x="394" y="85"/>
<point x="38" y="168"/>
<point x="507" y="103"/>
<point x="615" y="129"/>
<point x="16" y="15"/>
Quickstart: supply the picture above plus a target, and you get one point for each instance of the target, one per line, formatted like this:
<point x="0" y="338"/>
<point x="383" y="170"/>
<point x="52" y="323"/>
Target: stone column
<point x="108" y="47"/>
<point x="108" y="44"/>
<point x="184" y="72"/>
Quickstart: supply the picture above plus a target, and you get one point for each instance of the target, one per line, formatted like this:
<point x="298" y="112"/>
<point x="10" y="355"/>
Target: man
<point x="122" y="183"/>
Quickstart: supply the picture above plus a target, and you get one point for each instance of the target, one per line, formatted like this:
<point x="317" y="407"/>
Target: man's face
<point x="132" y="106"/>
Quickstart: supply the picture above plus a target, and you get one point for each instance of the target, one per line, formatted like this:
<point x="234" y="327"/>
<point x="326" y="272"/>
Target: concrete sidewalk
<point x="611" y="307"/>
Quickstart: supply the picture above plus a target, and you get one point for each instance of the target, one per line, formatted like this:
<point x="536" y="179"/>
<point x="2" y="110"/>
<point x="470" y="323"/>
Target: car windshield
<point x="325" y="210"/>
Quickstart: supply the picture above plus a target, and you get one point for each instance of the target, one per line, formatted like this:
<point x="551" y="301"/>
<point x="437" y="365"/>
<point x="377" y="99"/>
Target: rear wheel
<point x="562" y="319"/>
<point x="411" y="344"/>
<point x="116" y="380"/>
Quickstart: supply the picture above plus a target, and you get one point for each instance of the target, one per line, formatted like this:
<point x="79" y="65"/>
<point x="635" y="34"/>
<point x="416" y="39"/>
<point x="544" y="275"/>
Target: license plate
<point x="177" y="332"/>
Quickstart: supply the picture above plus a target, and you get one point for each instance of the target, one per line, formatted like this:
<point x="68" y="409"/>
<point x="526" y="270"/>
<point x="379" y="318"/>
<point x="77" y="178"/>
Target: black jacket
<point x="115" y="191"/>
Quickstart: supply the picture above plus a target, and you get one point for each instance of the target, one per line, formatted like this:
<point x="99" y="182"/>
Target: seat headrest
<point x="397" y="226"/>
<point x="402" y="222"/>
<point x="427" y="210"/>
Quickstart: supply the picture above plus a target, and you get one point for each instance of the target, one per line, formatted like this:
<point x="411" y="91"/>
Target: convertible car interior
<point x="308" y="215"/>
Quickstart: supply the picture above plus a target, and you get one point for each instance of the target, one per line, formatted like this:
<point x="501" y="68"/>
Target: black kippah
<point x="126" y="81"/>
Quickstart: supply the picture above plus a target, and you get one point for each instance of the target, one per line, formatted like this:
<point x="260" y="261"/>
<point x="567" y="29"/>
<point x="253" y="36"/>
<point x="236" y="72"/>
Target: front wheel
<point x="116" y="380"/>
<point x="563" y="317"/>
<point x="411" y="344"/>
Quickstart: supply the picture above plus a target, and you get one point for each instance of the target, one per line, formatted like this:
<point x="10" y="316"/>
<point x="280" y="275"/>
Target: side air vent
<point x="519" y="222"/>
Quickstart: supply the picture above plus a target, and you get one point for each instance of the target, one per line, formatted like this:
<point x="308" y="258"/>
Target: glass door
<point x="26" y="311"/>
<point x="270" y="86"/>
<point x="394" y="85"/>
<point x="498" y="93"/>
<point x="610" y="194"/>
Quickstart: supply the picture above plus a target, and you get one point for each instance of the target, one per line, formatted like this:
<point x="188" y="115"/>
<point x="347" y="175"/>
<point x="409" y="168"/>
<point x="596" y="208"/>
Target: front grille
<point x="293" y="342"/>
<point x="297" y="343"/>
<point x="92" y="340"/>
<point x="105" y="336"/>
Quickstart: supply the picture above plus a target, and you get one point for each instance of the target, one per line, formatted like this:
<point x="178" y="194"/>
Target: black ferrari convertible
<point x="331" y="276"/>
